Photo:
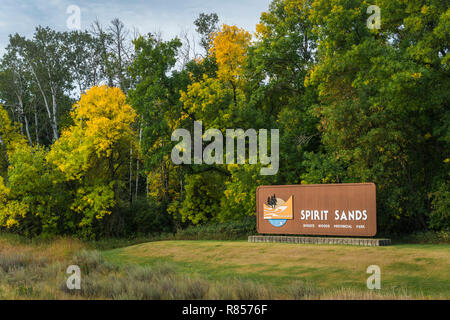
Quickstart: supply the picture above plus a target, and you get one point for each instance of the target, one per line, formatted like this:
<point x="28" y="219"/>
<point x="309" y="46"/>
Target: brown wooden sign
<point x="347" y="209"/>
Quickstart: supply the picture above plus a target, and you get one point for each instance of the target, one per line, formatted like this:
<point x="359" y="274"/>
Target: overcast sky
<point x="169" y="17"/>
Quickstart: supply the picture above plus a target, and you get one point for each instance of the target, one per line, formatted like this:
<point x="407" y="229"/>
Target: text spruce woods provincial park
<point x="347" y="209"/>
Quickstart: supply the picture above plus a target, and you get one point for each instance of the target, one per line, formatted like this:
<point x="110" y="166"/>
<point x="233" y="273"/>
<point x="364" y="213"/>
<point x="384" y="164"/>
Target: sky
<point x="169" y="17"/>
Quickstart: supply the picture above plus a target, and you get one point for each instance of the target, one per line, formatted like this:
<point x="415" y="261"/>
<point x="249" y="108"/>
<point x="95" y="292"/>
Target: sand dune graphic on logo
<point x="283" y="210"/>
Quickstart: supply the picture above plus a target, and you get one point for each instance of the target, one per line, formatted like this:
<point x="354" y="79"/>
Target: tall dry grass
<point x="38" y="271"/>
<point x="32" y="269"/>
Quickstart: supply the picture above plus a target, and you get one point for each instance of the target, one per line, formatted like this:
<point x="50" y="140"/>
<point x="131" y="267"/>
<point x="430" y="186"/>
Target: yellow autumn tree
<point x="10" y="135"/>
<point x="94" y="152"/>
<point x="10" y="210"/>
<point x="229" y="46"/>
<point x="10" y="140"/>
<point x="216" y="100"/>
<point x="211" y="100"/>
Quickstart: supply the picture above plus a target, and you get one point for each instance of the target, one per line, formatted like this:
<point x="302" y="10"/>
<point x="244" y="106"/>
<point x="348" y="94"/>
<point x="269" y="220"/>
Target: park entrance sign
<point x="347" y="209"/>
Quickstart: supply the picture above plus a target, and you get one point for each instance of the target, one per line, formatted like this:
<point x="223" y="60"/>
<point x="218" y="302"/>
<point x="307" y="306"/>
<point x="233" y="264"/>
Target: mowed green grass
<point x="416" y="270"/>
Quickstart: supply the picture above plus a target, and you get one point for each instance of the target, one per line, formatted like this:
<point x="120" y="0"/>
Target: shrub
<point x="301" y="290"/>
<point x="248" y="290"/>
<point x="149" y="273"/>
<point x="13" y="261"/>
<point x="191" y="289"/>
<point x="440" y="215"/>
<point x="426" y="237"/>
<point x="235" y="230"/>
<point x="92" y="261"/>
<point x="141" y="217"/>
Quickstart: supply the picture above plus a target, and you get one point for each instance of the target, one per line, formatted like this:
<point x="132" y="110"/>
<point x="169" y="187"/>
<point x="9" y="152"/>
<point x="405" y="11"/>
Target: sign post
<point x="347" y="209"/>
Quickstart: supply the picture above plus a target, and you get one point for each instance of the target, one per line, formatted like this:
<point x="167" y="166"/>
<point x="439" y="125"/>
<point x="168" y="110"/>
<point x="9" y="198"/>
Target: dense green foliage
<point x="352" y="104"/>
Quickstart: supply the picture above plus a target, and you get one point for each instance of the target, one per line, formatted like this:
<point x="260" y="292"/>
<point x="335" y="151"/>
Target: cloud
<point x="169" y="17"/>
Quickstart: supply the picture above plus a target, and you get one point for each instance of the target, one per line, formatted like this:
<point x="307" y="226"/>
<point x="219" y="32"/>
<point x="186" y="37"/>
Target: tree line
<point x="87" y="117"/>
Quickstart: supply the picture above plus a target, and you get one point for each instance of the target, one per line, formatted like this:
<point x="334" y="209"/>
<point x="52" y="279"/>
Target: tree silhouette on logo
<point x="272" y="201"/>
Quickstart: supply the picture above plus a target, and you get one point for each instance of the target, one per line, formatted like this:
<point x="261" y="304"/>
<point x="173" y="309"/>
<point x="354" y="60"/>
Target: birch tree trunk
<point x="51" y="117"/>
<point x="146" y="185"/>
<point x="54" y="121"/>
<point x="131" y="174"/>
<point x="2" y="143"/>
<point x="27" y="130"/>
<point x="36" y="125"/>
<point x="137" y="163"/>
<point x="19" y="94"/>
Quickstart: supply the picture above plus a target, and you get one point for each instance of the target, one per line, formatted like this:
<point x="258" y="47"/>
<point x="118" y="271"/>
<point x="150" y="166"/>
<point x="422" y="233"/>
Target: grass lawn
<point x="181" y="269"/>
<point x="421" y="271"/>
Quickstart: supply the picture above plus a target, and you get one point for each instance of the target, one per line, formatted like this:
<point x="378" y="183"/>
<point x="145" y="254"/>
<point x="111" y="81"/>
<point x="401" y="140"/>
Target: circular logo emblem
<point x="278" y="211"/>
<point x="277" y="222"/>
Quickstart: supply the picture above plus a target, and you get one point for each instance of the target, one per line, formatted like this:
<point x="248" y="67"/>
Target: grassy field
<point x="220" y="270"/>
<point x="421" y="271"/>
